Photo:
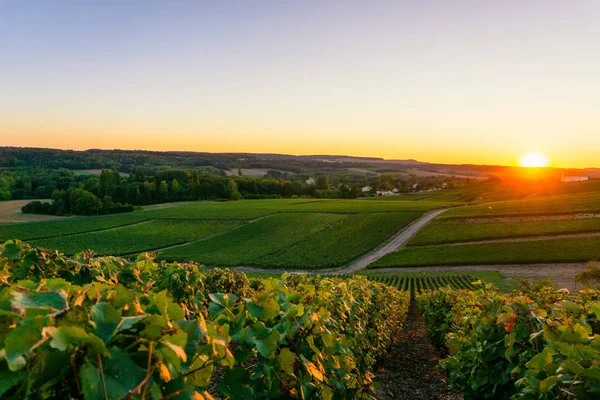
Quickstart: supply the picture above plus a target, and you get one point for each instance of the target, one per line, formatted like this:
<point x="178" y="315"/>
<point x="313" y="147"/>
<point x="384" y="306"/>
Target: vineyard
<point x="422" y="282"/>
<point x="338" y="245"/>
<point x="137" y="238"/>
<point x="545" y="205"/>
<point x="276" y="234"/>
<point x="519" y="252"/>
<point x="536" y="344"/>
<point x="458" y="231"/>
<point x="109" y="328"/>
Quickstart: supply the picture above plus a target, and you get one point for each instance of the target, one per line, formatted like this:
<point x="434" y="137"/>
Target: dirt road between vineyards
<point x="397" y="241"/>
<point x="562" y="274"/>
<point x="410" y="369"/>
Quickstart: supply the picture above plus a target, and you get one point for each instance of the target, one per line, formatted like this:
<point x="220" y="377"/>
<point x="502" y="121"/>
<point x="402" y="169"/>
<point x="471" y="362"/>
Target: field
<point x="10" y="211"/>
<point x="453" y="231"/>
<point x="136" y="238"/>
<point x="41" y="230"/>
<point x="294" y="233"/>
<point x="244" y="245"/>
<point x="420" y="282"/>
<point x="542" y="251"/>
<point x="339" y="245"/>
<point x="546" y="205"/>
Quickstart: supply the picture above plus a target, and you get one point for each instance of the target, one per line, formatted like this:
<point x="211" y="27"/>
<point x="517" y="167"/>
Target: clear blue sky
<point x="449" y="81"/>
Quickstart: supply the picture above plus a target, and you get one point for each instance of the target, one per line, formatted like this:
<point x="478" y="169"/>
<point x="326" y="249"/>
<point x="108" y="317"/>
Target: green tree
<point x="386" y="182"/>
<point x="87" y="204"/>
<point x="163" y="191"/>
<point x="175" y="189"/>
<point x="232" y="190"/>
<point x="322" y="182"/>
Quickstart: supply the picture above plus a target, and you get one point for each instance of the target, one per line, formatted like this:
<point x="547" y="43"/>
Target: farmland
<point x="243" y="245"/>
<point x="40" y="230"/>
<point x="294" y="233"/>
<point x="545" y="205"/>
<point x="421" y="282"/>
<point x="542" y="251"/>
<point x="136" y="238"/>
<point x="339" y="245"/>
<point x="439" y="232"/>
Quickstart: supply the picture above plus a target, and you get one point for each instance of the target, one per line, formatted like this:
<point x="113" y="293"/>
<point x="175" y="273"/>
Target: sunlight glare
<point x="533" y="160"/>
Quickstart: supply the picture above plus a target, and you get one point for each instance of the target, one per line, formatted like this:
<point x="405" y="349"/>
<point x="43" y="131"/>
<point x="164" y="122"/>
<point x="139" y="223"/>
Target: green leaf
<point x="11" y="250"/>
<point x="67" y="337"/>
<point x="201" y="377"/>
<point x="266" y="345"/>
<point x="107" y="319"/>
<point x="46" y="300"/>
<point x="235" y="385"/>
<point x="121" y="372"/>
<point x="20" y="340"/>
<point x="286" y="359"/>
<point x="220" y="302"/>
<point x="91" y="383"/>
<point x="547" y="384"/>
<point x="10" y="379"/>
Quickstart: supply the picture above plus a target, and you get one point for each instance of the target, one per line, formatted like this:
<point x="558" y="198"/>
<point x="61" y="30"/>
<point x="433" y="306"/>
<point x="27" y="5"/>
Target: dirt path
<point x="519" y="239"/>
<point x="562" y="274"/>
<point x="400" y="239"/>
<point x="410" y="369"/>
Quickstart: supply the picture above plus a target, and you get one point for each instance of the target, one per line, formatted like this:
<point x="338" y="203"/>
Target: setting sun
<point x="533" y="160"/>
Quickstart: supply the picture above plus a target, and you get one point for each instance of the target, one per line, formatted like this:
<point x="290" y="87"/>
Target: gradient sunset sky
<point x="440" y="81"/>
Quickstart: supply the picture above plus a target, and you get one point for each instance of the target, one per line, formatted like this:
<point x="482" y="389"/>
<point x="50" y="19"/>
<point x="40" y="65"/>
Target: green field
<point x="542" y="251"/>
<point x="244" y="245"/>
<point x="563" y="204"/>
<point x="39" y="230"/>
<point x="291" y="233"/>
<point x="423" y="281"/>
<point x="136" y="238"/>
<point x="340" y="244"/>
<point x="451" y="231"/>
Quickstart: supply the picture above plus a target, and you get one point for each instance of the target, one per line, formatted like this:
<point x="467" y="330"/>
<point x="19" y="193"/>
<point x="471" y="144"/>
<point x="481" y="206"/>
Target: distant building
<point x="311" y="181"/>
<point x="573" y="178"/>
<point x="367" y="189"/>
<point x="387" y="192"/>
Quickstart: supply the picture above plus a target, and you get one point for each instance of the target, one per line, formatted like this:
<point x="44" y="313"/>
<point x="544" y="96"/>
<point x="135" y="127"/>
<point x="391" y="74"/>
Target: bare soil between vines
<point x="410" y="370"/>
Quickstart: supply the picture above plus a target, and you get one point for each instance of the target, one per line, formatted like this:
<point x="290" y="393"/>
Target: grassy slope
<point x="543" y="251"/>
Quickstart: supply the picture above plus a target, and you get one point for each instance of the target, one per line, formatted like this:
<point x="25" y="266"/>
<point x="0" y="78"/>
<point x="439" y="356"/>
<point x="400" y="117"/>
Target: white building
<point x="367" y="189"/>
<point x="574" y="178"/>
<point x="311" y="181"/>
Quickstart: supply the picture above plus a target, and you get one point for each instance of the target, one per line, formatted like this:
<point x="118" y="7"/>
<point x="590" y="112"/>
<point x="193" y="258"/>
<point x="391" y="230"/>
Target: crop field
<point x="420" y="282"/>
<point x="136" y="238"/>
<point x="452" y="231"/>
<point x="563" y="204"/>
<point x="542" y="251"/>
<point x="342" y="243"/>
<point x="40" y="230"/>
<point x="365" y="206"/>
<point x="244" y="245"/>
<point x="293" y="233"/>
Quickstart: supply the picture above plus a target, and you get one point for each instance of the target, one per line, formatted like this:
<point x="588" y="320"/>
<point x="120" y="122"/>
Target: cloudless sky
<point x="436" y="80"/>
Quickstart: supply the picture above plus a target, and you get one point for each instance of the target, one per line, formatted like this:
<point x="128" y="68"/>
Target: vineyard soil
<point x="410" y="370"/>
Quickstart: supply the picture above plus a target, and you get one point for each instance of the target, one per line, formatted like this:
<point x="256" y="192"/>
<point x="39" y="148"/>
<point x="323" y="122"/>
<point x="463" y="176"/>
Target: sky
<point x="435" y="80"/>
